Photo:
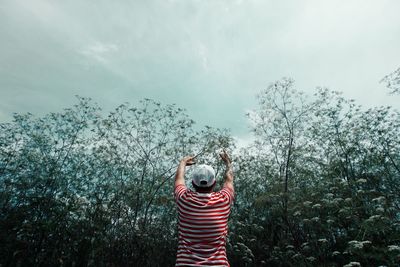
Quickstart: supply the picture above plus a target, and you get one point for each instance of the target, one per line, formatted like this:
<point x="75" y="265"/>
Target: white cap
<point x="203" y="176"/>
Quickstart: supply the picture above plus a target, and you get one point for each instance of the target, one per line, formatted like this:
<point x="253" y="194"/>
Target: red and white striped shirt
<point x="202" y="226"/>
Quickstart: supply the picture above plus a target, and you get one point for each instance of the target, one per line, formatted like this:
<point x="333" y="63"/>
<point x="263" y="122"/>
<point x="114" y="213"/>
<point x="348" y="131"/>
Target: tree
<point x="78" y="188"/>
<point x="319" y="186"/>
<point x="323" y="183"/>
<point x="392" y="81"/>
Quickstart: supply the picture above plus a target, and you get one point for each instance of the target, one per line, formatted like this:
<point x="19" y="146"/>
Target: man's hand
<point x="188" y="160"/>
<point x="225" y="157"/>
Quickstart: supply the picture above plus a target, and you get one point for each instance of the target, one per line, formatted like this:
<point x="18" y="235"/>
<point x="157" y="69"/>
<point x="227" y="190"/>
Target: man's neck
<point x="208" y="191"/>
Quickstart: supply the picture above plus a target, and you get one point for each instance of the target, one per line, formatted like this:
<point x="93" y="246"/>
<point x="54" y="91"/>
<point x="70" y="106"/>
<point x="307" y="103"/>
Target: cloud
<point x="98" y="51"/>
<point x="202" y="53"/>
<point x="210" y="57"/>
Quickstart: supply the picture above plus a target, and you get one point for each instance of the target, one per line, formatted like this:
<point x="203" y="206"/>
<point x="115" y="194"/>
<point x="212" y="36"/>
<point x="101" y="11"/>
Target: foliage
<point x="392" y="81"/>
<point x="319" y="186"/>
<point x="81" y="189"/>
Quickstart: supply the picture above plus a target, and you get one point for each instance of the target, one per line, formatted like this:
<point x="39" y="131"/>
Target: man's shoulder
<point x="227" y="193"/>
<point x="228" y="190"/>
<point x="180" y="190"/>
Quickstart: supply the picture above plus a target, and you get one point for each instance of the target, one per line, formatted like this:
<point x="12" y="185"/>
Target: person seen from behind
<point x="203" y="214"/>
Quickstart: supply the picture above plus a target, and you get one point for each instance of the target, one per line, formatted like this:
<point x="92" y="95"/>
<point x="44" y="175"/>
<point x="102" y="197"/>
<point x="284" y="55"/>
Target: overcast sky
<point x="210" y="57"/>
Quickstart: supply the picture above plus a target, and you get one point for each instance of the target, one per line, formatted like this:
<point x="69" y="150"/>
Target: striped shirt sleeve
<point x="229" y="194"/>
<point x="180" y="190"/>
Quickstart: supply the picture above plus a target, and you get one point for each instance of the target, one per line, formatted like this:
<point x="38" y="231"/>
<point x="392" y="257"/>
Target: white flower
<point x="356" y="244"/>
<point x="378" y="199"/>
<point x="304" y="244"/>
<point x="338" y="199"/>
<point x="345" y="210"/>
<point x="316" y="206"/>
<point x="366" y="242"/>
<point x="296" y="256"/>
<point x="297" y="213"/>
<point x="352" y="264"/>
<point x="373" y="218"/>
<point x="335" y="253"/>
<point x="315" y="219"/>
<point x="311" y="258"/>
<point x="394" y="248"/>
<point x="380" y="209"/>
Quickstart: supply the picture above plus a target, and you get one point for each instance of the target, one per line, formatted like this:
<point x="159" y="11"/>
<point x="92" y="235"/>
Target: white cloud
<point x="163" y="50"/>
<point x="203" y="54"/>
<point x="99" y="51"/>
<point x="43" y="10"/>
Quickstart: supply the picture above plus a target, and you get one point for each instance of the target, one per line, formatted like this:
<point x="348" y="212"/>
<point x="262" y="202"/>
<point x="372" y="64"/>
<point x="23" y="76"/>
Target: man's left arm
<point x="180" y="172"/>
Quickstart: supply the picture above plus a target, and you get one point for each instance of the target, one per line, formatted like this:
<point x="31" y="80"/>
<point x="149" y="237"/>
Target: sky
<point x="211" y="57"/>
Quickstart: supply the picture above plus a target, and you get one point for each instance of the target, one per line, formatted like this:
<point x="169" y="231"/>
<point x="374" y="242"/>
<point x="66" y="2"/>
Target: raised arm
<point x="229" y="172"/>
<point x="180" y="172"/>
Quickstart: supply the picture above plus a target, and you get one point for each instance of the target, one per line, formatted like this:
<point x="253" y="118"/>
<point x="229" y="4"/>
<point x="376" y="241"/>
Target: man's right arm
<point x="229" y="172"/>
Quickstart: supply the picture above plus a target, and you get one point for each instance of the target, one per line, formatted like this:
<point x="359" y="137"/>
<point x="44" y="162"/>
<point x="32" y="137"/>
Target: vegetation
<point x="319" y="187"/>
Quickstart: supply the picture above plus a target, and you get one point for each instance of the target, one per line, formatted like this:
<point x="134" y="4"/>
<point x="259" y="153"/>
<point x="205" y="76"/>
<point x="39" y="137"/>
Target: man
<point x="203" y="215"/>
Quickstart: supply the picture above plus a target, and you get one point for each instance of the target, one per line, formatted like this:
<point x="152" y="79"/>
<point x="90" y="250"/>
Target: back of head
<point x="203" y="177"/>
